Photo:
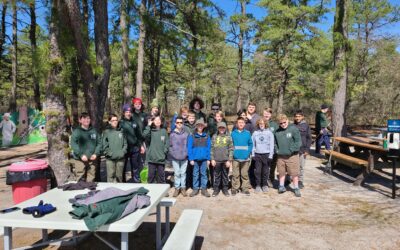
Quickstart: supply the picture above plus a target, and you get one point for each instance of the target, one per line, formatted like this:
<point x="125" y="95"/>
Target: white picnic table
<point x="62" y="220"/>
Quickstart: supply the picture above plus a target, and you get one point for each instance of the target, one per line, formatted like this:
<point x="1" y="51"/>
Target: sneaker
<point x="225" y="192"/>
<point x="281" y="189"/>
<point x="264" y="189"/>
<point x="233" y="192"/>
<point x="204" y="192"/>
<point x="183" y="192"/>
<point x="301" y="185"/>
<point x="176" y="192"/>
<point x="258" y="189"/>
<point x="215" y="193"/>
<point x="297" y="192"/>
<point x="194" y="192"/>
<point x="246" y="192"/>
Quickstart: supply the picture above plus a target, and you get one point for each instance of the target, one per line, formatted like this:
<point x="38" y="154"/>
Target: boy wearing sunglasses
<point x="288" y="143"/>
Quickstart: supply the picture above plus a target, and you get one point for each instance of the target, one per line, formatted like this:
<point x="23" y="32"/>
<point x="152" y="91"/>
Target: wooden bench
<point x="184" y="232"/>
<point x="353" y="162"/>
<point x="346" y="159"/>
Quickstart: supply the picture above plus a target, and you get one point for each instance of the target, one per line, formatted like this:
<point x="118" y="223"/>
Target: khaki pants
<point x="241" y="173"/>
<point x="115" y="170"/>
<point x="85" y="171"/>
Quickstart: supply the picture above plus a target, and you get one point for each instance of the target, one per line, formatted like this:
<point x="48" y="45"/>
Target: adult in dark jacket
<point x="86" y="148"/>
<point x="306" y="139"/>
<point x="133" y="135"/>
<point x="288" y="143"/>
<point x="321" y="128"/>
<point x="114" y="149"/>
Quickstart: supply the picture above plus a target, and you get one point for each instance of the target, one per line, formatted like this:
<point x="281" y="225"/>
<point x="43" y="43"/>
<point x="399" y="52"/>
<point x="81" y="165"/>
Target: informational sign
<point x="393" y="126"/>
<point x="181" y="93"/>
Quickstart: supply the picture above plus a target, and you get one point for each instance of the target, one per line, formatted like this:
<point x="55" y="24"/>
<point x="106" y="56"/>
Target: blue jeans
<point x="180" y="173"/>
<point x="323" y="138"/>
<point x="200" y="175"/>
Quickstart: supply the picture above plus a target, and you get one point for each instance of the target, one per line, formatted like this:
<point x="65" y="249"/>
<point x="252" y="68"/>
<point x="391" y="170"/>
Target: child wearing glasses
<point x="288" y="143"/>
<point x="178" y="156"/>
<point x="114" y="149"/>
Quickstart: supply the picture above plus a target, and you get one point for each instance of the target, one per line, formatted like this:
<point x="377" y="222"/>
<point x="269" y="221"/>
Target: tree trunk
<point x="13" y="98"/>
<point x="85" y="13"/>
<point x="340" y="67"/>
<point x="240" y="57"/>
<point x="140" y="58"/>
<point x="3" y="28"/>
<point x="85" y="68"/>
<point x="32" y="37"/>
<point x="56" y="121"/>
<point x="124" y="26"/>
<point x="94" y="86"/>
<point x="74" y="92"/>
<point x="281" y="91"/>
<point x="102" y="56"/>
<point x="158" y="53"/>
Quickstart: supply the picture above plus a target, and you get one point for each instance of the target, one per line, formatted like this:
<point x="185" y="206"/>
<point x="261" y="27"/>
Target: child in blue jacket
<point x="199" y="148"/>
<point x="242" y="148"/>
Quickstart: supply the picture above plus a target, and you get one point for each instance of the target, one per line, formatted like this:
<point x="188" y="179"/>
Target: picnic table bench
<point x="366" y="155"/>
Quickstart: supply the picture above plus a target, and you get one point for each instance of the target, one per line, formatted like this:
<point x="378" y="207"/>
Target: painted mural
<point x="30" y="124"/>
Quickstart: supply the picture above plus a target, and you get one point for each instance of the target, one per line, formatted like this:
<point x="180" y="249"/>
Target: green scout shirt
<point x="158" y="144"/>
<point x="287" y="141"/>
<point x="85" y="142"/>
<point x="132" y="133"/>
<point x="320" y="121"/>
<point x="114" y="144"/>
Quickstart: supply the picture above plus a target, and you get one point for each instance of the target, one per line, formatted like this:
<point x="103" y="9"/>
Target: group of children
<point x="197" y="149"/>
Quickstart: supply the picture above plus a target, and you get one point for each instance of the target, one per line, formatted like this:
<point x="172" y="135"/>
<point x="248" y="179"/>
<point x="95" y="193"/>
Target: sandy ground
<point x="331" y="214"/>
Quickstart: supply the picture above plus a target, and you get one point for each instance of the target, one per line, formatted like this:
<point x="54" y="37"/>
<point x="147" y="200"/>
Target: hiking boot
<point x="246" y="192"/>
<point x="194" y="192"/>
<point x="215" y="193"/>
<point x="297" y="192"/>
<point x="258" y="189"/>
<point x="233" y="192"/>
<point x="281" y="189"/>
<point x="301" y="185"/>
<point x="176" y="192"/>
<point x="264" y="189"/>
<point x="225" y="192"/>
<point x="183" y="192"/>
<point x="204" y="192"/>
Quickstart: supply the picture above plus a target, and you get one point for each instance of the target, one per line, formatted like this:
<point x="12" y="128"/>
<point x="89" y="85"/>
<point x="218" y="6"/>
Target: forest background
<point x="69" y="56"/>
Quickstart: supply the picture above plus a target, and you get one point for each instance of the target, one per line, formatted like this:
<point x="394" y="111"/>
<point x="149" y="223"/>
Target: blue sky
<point x="229" y="6"/>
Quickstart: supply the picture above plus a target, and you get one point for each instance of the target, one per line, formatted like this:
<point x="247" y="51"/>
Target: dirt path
<point x="332" y="214"/>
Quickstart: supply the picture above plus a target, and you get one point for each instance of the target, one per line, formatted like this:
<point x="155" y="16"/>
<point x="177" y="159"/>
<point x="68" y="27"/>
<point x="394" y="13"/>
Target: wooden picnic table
<point x="367" y="153"/>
